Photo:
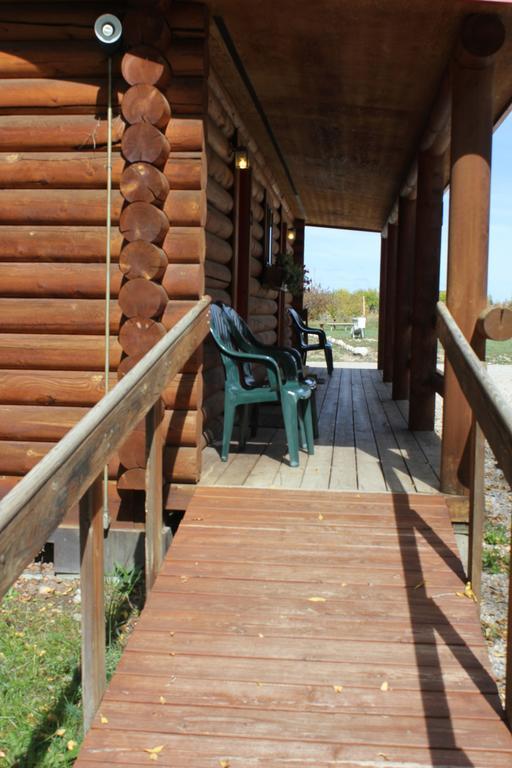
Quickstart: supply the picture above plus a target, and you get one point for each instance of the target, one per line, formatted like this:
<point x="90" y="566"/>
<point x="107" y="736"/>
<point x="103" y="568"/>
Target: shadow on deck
<point x="364" y="444"/>
<point x="305" y="629"/>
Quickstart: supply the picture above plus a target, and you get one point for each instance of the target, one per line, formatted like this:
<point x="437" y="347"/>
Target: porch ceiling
<point x="347" y="88"/>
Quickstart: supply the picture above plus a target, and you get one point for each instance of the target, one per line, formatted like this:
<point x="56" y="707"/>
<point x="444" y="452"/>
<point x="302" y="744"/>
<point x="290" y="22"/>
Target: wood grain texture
<point x="269" y="659"/>
<point x="57" y="477"/>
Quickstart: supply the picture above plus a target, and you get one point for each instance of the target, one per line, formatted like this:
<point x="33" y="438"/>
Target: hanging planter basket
<point x="273" y="276"/>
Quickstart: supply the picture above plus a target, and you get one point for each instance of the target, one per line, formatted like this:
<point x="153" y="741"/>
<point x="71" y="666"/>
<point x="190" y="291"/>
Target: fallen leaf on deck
<point x="320" y="517"/>
<point x="154" y="750"/>
<point x="316" y="599"/>
<point x="172" y="653"/>
<point x="386" y="757"/>
<point x="153" y="757"/>
<point x="419" y="584"/>
<point x="260" y="635"/>
<point x="163" y="700"/>
<point x="103" y="719"/>
<point x="224" y="763"/>
<point x="468" y="592"/>
<point x="338" y="688"/>
<point x="385" y="686"/>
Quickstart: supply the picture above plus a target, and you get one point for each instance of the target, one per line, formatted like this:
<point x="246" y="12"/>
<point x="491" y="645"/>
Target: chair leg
<point x="229" y="418"/>
<point x="255" y="412"/>
<point x="244" y="427"/>
<point x="328" y="360"/>
<point x="307" y="410"/>
<point x="302" y="431"/>
<point x="290" y="418"/>
<point x="314" y="414"/>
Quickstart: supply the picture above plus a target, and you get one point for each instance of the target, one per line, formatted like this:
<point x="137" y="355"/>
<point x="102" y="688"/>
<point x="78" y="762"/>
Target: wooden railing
<point x="72" y="472"/>
<point x="492" y="421"/>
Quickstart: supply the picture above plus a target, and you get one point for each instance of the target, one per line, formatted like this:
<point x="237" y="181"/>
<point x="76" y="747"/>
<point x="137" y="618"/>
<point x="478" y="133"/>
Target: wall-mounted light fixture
<point x="108" y="30"/>
<point x="241" y="158"/>
<point x="291" y="234"/>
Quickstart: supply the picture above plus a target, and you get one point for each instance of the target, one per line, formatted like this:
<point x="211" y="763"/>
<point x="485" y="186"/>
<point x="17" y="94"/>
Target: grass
<point x="495" y="556"/>
<point x="339" y="354"/>
<point x="498" y="352"/>
<point x="40" y="711"/>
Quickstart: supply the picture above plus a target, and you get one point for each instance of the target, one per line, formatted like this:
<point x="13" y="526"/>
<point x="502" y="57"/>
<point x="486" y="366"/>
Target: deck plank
<point x="364" y="444"/>
<point x="280" y="633"/>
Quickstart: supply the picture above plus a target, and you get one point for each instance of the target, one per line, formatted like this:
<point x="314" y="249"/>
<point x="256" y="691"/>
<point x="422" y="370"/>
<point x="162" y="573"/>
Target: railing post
<point x="154" y="492"/>
<point x="476" y="507"/>
<point x="508" y="662"/>
<point x="481" y="37"/>
<point x="92" y="594"/>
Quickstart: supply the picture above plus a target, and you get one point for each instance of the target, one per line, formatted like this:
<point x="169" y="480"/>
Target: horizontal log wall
<point x="219" y="246"/>
<point x="53" y="134"/>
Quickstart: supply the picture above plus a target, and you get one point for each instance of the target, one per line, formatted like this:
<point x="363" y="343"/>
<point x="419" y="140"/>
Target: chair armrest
<point x="251" y="357"/>
<point x="317" y="332"/>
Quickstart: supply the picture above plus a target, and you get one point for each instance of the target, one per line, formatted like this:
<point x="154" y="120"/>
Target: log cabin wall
<point x="53" y="97"/>
<point x="165" y="66"/>
<point x="265" y="306"/>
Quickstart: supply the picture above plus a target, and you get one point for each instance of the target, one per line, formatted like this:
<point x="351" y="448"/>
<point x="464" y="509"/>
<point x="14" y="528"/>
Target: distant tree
<point x="316" y="301"/>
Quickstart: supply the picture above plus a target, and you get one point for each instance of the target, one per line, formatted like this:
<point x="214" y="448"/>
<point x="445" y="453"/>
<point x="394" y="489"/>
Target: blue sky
<point x="343" y="259"/>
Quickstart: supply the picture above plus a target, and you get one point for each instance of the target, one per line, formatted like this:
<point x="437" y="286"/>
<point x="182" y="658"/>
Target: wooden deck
<point x="305" y="629"/>
<point x="364" y="444"/>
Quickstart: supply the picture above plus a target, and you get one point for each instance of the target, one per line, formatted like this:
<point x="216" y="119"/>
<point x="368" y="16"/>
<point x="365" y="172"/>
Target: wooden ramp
<point x="295" y="628"/>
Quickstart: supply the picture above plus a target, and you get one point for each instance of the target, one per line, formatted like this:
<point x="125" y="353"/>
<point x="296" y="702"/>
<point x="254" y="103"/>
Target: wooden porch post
<point x="382" y="294"/>
<point x="427" y="258"/>
<point x="242" y="247"/>
<point x="482" y="35"/>
<point x="403" y="299"/>
<point x="389" y="298"/>
<point x="298" y="257"/>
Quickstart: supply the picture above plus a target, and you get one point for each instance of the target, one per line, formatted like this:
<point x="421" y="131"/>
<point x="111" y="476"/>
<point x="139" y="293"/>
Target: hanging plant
<point x="296" y="277"/>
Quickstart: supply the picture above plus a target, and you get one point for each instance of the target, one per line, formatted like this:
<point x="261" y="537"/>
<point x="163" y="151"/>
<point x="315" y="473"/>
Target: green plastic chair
<point x="288" y="358"/>
<point x="303" y="331"/>
<point x="240" y="390"/>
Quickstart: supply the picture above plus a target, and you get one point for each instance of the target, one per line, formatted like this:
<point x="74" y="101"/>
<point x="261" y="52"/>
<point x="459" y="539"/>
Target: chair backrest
<point x="296" y="319"/>
<point x="240" y="324"/>
<point x="222" y="332"/>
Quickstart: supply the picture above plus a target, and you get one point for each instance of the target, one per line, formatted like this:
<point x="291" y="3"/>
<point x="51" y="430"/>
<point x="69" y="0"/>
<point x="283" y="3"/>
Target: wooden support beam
<point x="382" y="294"/>
<point x="154" y="492"/>
<point x="427" y="259"/>
<point x="390" y="300"/>
<point x="298" y="257"/>
<point x="403" y="299"/>
<point x="92" y="592"/>
<point x="471" y="143"/>
<point x="241" y="271"/>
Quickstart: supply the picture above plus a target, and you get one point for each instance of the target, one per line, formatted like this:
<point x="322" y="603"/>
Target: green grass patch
<point x="496" y="535"/>
<point x="40" y="709"/>
<point x="499" y="352"/>
<point x="494" y="561"/>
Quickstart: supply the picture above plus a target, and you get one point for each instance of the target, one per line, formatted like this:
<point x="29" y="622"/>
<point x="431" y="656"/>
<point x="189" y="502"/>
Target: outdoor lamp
<point x="241" y="158"/>
<point x="108" y="29"/>
<point x="291" y="234"/>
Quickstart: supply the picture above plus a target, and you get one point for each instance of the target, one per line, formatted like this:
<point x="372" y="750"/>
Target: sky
<point x="344" y="259"/>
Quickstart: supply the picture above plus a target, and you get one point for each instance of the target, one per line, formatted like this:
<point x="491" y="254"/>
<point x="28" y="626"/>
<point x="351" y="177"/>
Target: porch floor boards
<point x="364" y="444"/>
<point x="306" y="628"/>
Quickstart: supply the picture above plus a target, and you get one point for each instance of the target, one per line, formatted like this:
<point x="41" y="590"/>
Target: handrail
<point x="492" y="416"/>
<point x="72" y="472"/>
<point x="491" y="410"/>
